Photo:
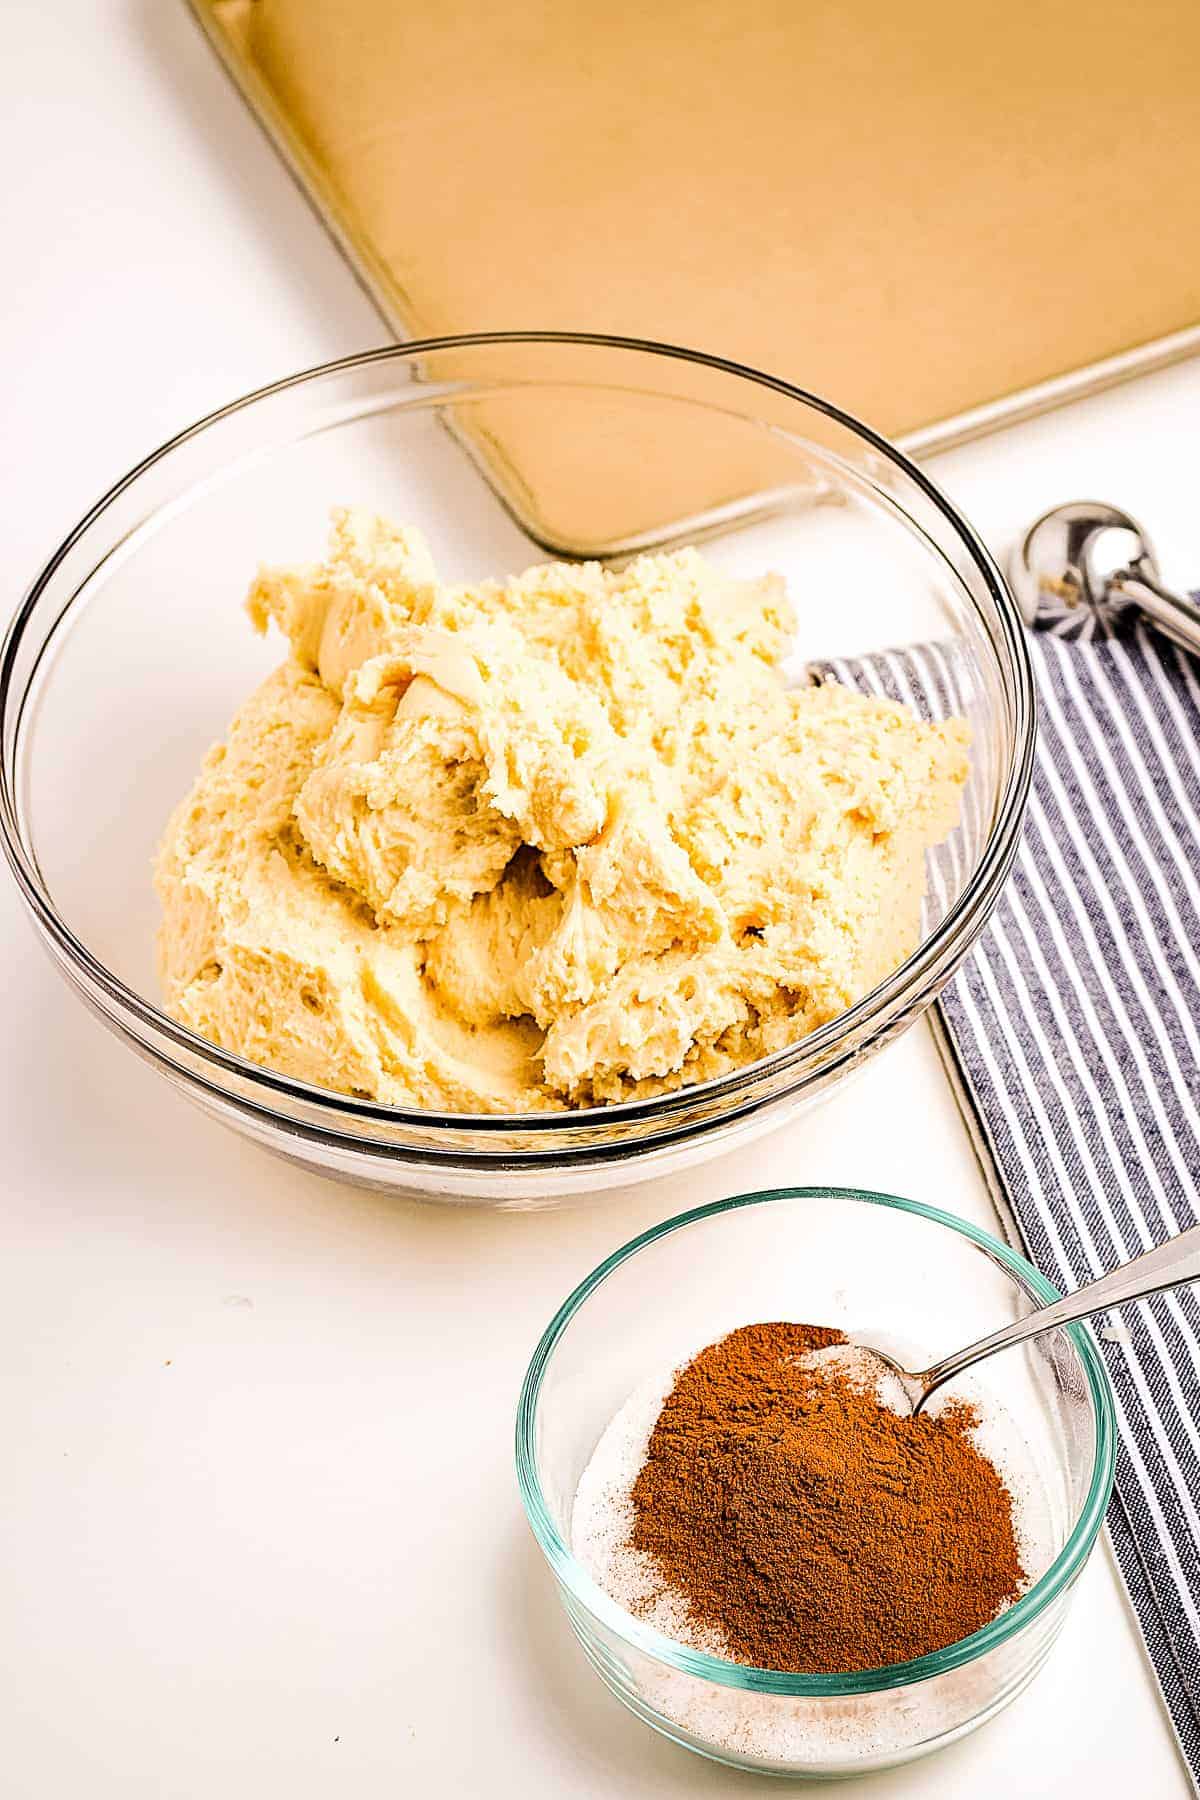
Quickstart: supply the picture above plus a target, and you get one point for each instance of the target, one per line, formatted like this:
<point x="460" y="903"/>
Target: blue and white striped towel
<point x="1074" y="1030"/>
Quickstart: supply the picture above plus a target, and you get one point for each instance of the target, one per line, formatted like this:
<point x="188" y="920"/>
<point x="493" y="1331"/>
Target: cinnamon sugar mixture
<point x="806" y="1525"/>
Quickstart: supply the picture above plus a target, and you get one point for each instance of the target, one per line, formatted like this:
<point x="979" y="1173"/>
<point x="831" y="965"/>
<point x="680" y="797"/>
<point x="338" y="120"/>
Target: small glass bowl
<point x="131" y="653"/>
<point x="925" y="1283"/>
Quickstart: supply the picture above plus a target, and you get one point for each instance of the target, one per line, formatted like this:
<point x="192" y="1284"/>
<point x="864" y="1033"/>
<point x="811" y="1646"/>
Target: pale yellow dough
<point x="541" y="843"/>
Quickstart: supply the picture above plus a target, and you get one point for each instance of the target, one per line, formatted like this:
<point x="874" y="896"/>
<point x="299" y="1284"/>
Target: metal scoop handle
<point x="1081" y="566"/>
<point x="1170" y="1265"/>
<point x="1176" y="615"/>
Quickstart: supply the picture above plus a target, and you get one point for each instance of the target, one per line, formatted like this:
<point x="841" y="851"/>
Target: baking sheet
<point x="944" y="218"/>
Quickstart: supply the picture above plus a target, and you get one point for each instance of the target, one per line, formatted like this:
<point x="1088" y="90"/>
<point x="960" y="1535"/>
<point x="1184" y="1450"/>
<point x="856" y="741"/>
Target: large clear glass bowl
<point x="917" y="1279"/>
<point x="131" y="653"/>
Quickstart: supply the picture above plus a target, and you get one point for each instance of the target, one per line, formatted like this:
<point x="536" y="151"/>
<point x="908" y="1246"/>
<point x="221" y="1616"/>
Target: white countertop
<point x="252" y="1545"/>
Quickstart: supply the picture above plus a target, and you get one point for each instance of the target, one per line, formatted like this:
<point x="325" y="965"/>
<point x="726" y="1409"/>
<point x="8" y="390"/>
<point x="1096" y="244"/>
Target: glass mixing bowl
<point x="916" y="1279"/>
<point x="131" y="653"/>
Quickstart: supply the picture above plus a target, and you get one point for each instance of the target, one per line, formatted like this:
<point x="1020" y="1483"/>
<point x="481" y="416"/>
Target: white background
<point x="259" y="1532"/>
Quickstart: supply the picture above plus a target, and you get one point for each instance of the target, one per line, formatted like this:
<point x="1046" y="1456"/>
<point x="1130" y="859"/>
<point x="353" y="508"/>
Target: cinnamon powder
<point x="812" y="1527"/>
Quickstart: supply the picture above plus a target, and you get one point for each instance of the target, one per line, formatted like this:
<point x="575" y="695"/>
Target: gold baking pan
<point x="945" y="217"/>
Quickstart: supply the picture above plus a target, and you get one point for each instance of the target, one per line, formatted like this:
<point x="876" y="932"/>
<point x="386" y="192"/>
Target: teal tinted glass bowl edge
<point x="725" y="1673"/>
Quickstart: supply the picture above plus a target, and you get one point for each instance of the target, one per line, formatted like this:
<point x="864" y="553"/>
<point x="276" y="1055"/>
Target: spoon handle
<point x="1170" y="1265"/>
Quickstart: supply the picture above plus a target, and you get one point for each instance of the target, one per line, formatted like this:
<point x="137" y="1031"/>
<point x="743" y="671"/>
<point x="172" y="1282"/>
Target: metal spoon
<point x="1081" y="565"/>
<point x="1170" y="1265"/>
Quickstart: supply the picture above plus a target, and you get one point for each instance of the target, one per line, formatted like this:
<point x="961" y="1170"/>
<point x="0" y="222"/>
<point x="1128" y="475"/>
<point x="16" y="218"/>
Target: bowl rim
<point x="934" y="957"/>
<point x="721" y="1670"/>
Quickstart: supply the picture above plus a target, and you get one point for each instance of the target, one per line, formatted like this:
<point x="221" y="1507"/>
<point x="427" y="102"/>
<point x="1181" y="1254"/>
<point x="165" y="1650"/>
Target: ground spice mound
<point x="812" y="1527"/>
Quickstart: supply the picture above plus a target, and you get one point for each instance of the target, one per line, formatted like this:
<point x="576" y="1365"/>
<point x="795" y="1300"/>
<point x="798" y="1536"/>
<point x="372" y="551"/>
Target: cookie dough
<point x="546" y="842"/>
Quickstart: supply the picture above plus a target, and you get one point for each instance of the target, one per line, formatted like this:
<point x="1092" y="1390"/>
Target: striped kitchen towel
<point x="1074" y="1033"/>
